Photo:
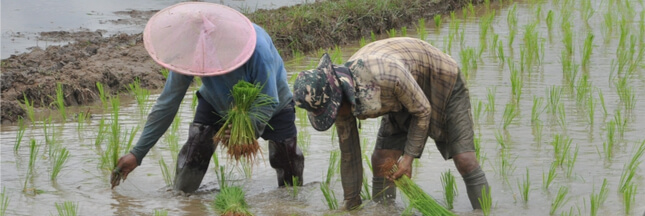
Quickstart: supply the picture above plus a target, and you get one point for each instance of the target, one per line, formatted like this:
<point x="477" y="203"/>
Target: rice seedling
<point x="449" y="188"/>
<point x="549" y="22"/>
<point x="230" y="201"/>
<point x="486" y="201"/>
<point x="583" y="88"/>
<point x="437" y="21"/>
<point x="602" y="102"/>
<point x="490" y="106"/>
<point x="113" y="151"/>
<point x="418" y="198"/>
<point x="172" y="138"/>
<point x="29" y="109"/>
<point x="194" y="102"/>
<point x="629" y="197"/>
<point x="294" y="187"/>
<point x="516" y="81"/>
<point x="548" y="178"/>
<point x="4" y="201"/>
<point x="59" y="157"/>
<point x="597" y="199"/>
<point x="101" y="133"/>
<point x="81" y="119"/>
<point x="164" y="72"/>
<point x="102" y="94"/>
<point x="60" y="101"/>
<point x="33" y="156"/>
<point x="500" y="139"/>
<point x="561" y="147"/>
<point x="525" y="187"/>
<point x="536" y="109"/>
<point x="510" y="112"/>
<point x="468" y="61"/>
<point x="304" y="141"/>
<point x="330" y="196"/>
<point x="562" y="116"/>
<point x="559" y="200"/>
<point x="242" y="141"/>
<point x="511" y="20"/>
<point x="337" y="55"/>
<point x="391" y="33"/>
<point x="67" y="208"/>
<point x="537" y="130"/>
<point x="608" y="145"/>
<point x="373" y="36"/>
<point x="500" y="53"/>
<point x="362" y="42"/>
<point x="586" y="10"/>
<point x="484" y="26"/>
<point x="19" y="134"/>
<point x="553" y="98"/>
<point x="531" y="42"/>
<point x="506" y="165"/>
<point x="160" y="212"/>
<point x="365" y="193"/>
<point x="621" y="123"/>
<point x="571" y="160"/>
<point x="141" y="95"/>
<point x="587" y="50"/>
<point x="404" y="31"/>
<point x="167" y="174"/>
<point x="421" y="29"/>
<point x="567" y="39"/>
<point x="629" y="169"/>
<point x="477" y="110"/>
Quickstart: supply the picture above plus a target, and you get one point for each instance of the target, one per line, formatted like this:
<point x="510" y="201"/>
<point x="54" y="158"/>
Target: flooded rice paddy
<point x="556" y="88"/>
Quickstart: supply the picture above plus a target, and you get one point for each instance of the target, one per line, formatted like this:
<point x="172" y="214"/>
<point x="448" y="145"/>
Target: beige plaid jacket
<point x="408" y="74"/>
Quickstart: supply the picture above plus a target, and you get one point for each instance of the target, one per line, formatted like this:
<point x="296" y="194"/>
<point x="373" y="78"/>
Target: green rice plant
<point x="562" y="116"/>
<point x="602" y="101"/>
<point x="372" y="36"/>
<point x="516" y="81"/>
<point x="511" y="20"/>
<point x="81" y="119"/>
<point x="587" y="50"/>
<point x="553" y="98"/>
<point x="167" y="174"/>
<point x="365" y="193"/>
<point x="193" y="103"/>
<point x="477" y="142"/>
<point x="494" y="41"/>
<point x="586" y="10"/>
<point x="29" y="109"/>
<point x="160" y="212"/>
<point x="468" y="61"/>
<point x="449" y="188"/>
<point x="629" y="169"/>
<point x="59" y="157"/>
<point x="418" y="198"/>
<point x="477" y="109"/>
<point x="230" y="201"/>
<point x="567" y="38"/>
<point x="560" y="199"/>
<point x="437" y="21"/>
<point x="608" y="145"/>
<point x="510" y="112"/>
<point x="391" y="32"/>
<point x="549" y="21"/>
<point x="484" y="26"/>
<point x="48" y="131"/>
<point x="621" y="123"/>
<point x="4" y="201"/>
<point x="19" y="134"/>
<point x="536" y="109"/>
<point x="421" y="29"/>
<point x="67" y="208"/>
<point x="60" y="101"/>
<point x="102" y="94"/>
<point x="506" y="165"/>
<point x="113" y="151"/>
<point x="471" y="9"/>
<point x="571" y="160"/>
<point x="164" y="72"/>
<point x="141" y="95"/>
<point x="583" y="88"/>
<point x="304" y="141"/>
<point x="247" y="97"/>
<point x="629" y="197"/>
<point x="330" y="196"/>
<point x="500" y="139"/>
<point x="490" y="106"/>
<point x="525" y="187"/>
<point x="607" y="26"/>
<point x="197" y="81"/>
<point x="101" y="133"/>
<point x="500" y="53"/>
<point x="337" y="55"/>
<point x="294" y="187"/>
<point x="362" y="42"/>
<point x="333" y="165"/>
<point x="531" y="42"/>
<point x="537" y="127"/>
<point x="548" y="178"/>
<point x="486" y="201"/>
<point x="561" y="148"/>
<point x="404" y="31"/>
<point x="33" y="156"/>
<point x="172" y="138"/>
<point x="597" y="199"/>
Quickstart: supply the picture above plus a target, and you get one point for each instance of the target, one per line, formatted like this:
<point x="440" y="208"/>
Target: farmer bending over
<point x="418" y="91"/>
<point x="221" y="46"/>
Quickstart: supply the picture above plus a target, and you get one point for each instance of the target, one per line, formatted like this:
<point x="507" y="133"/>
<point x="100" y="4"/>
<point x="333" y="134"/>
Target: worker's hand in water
<point x="126" y="164"/>
<point x="404" y="168"/>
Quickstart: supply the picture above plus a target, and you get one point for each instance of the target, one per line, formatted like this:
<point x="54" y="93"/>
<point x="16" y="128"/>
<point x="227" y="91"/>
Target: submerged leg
<point x="194" y="157"/>
<point x="287" y="160"/>
<point x="473" y="175"/>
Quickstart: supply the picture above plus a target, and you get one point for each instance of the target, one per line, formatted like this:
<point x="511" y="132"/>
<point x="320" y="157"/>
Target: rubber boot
<point x="383" y="190"/>
<point x="194" y="158"/>
<point x="476" y="181"/>
<point x="287" y="160"/>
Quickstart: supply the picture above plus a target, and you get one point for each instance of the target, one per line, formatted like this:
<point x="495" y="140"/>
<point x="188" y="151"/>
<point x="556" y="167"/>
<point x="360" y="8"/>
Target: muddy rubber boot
<point x="194" y="158"/>
<point x="383" y="190"/>
<point x="475" y="182"/>
<point x="287" y="160"/>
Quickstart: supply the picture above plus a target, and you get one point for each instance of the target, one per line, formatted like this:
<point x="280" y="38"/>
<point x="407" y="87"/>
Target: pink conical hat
<point x="199" y="38"/>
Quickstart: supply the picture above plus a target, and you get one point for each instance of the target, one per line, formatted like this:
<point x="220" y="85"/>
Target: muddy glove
<point x="124" y="166"/>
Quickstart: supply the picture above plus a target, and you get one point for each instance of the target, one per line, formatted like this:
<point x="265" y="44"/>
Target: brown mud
<point x="116" y="60"/>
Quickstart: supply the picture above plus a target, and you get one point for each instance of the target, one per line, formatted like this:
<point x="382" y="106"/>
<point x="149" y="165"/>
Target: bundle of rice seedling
<point x="230" y="202"/>
<point x="417" y="197"/>
<point x="242" y="141"/>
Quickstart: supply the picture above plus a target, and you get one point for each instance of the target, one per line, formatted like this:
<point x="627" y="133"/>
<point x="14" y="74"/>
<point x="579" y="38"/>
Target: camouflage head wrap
<point x="320" y="92"/>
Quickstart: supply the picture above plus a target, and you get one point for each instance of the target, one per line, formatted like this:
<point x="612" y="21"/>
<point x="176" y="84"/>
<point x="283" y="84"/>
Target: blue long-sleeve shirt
<point x="264" y="67"/>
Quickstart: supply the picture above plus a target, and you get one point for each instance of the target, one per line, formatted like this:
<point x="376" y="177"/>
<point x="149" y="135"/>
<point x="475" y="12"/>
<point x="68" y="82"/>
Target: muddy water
<point x="83" y="182"/>
<point x="23" y="21"/>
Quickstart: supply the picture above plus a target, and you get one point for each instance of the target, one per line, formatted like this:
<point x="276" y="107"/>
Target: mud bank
<point x="115" y="61"/>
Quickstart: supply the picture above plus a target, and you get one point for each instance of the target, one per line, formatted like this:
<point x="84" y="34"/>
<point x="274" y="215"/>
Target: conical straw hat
<point x="199" y="38"/>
